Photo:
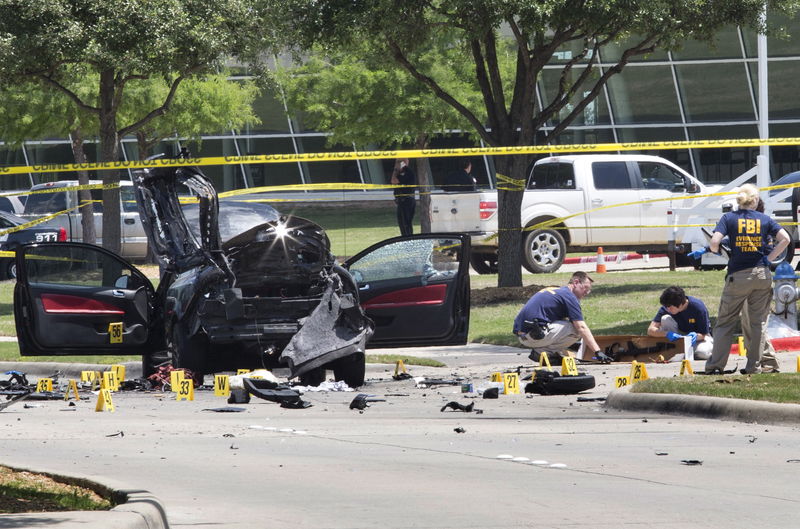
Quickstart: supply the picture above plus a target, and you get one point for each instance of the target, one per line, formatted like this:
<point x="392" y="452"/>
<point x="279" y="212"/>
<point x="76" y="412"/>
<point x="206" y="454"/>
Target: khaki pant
<point x="753" y="286"/>
<point x="561" y="335"/>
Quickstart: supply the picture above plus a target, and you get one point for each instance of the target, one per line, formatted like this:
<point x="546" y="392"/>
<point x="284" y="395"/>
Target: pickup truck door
<point x="415" y="289"/>
<point x="134" y="239"/>
<point x="613" y="183"/>
<point x="79" y="299"/>
<point x="660" y="181"/>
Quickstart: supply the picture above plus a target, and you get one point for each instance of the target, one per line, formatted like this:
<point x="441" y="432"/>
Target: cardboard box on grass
<point x="631" y="347"/>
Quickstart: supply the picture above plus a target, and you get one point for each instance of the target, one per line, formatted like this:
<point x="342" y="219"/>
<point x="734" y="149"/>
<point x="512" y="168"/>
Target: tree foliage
<point x="120" y="41"/>
<point x="491" y="32"/>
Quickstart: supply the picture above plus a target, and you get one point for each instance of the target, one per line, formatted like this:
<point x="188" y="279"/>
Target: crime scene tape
<point x="412" y="153"/>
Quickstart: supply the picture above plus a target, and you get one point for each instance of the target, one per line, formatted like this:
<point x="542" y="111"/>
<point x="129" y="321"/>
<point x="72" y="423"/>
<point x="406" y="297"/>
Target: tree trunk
<point x="84" y="195"/>
<point x="109" y="150"/>
<point x="425" y="183"/>
<point x="144" y="146"/>
<point x="509" y="203"/>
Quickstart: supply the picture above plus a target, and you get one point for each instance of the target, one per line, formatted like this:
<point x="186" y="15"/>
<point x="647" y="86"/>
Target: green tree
<point x="530" y="33"/>
<point x="120" y="41"/>
<point x="361" y="98"/>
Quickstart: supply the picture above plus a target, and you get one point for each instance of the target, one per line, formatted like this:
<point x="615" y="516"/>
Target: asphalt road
<point x="400" y="464"/>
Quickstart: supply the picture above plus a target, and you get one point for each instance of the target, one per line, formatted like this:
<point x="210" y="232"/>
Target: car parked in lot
<point x="11" y="239"/>
<point x="271" y="295"/>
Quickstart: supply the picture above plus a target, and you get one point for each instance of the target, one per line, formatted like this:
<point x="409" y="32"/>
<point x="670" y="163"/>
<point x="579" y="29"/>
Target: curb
<point x="136" y="509"/>
<point x="749" y="411"/>
<point x="68" y="370"/>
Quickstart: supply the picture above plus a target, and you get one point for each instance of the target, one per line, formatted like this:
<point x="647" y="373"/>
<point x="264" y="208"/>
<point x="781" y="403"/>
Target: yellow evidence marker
<point x="568" y="367"/>
<point x="73" y="387"/>
<point x="510" y="384"/>
<point x="621" y="382"/>
<point x="400" y="367"/>
<point x="88" y="376"/>
<point x="742" y="350"/>
<point x="638" y="372"/>
<point x="104" y="401"/>
<point x="544" y="361"/>
<point x="497" y="377"/>
<point x="110" y="381"/>
<point x="222" y="386"/>
<point x="44" y="384"/>
<point x="175" y="378"/>
<point x="686" y="368"/>
<point x="115" y="332"/>
<point x="242" y="371"/>
<point x="119" y="369"/>
<point x="185" y="389"/>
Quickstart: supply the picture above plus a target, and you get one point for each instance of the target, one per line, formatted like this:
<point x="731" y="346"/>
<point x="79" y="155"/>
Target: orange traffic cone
<point x="601" y="261"/>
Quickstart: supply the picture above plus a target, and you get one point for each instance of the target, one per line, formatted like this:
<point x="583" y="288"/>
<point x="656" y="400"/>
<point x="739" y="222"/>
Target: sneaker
<point x="713" y="371"/>
<point x="752" y="372"/>
<point x="603" y="358"/>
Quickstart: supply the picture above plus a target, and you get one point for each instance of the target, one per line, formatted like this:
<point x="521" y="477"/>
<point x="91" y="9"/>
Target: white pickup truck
<point x="560" y="186"/>
<point x="62" y="198"/>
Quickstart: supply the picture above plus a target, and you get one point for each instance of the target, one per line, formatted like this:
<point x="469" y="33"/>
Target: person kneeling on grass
<point x="552" y="320"/>
<point x="681" y="315"/>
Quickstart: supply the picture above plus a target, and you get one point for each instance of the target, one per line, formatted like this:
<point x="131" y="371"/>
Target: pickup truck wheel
<point x="11" y="269"/>
<point x="543" y="251"/>
<point x="187" y="352"/>
<point x="787" y="255"/>
<point x="483" y="264"/>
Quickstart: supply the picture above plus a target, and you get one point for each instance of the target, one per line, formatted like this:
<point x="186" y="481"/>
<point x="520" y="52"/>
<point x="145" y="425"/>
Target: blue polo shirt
<point x="550" y="304"/>
<point x="748" y="232"/>
<point x="694" y="318"/>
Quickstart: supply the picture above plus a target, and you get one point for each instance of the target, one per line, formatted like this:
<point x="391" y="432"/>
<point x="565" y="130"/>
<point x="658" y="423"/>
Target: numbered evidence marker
<point x="110" y="381"/>
<point x="638" y="372"/>
<point x="175" y="378"/>
<point x="242" y="371"/>
<point x="544" y="361"/>
<point x="115" y="332"/>
<point x="497" y="377"/>
<point x="222" y="386"/>
<point x="73" y="387"/>
<point x="119" y="369"/>
<point x="510" y="384"/>
<point x="621" y="382"/>
<point x="104" y="401"/>
<point x="568" y="367"/>
<point x="686" y="368"/>
<point x="185" y="389"/>
<point x="44" y="384"/>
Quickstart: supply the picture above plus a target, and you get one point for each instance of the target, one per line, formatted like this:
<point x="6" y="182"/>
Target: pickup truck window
<point x="611" y="175"/>
<point x="46" y="203"/>
<point x="552" y="176"/>
<point x="659" y="176"/>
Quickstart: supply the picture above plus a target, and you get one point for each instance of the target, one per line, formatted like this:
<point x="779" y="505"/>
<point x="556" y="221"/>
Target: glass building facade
<point x="700" y="92"/>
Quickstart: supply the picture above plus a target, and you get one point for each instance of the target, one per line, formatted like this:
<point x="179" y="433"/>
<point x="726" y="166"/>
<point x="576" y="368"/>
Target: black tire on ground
<point x="552" y="383"/>
<point x="187" y="351"/>
<point x="543" y="251"/>
<point x="483" y="263"/>
<point x="151" y="362"/>
<point x="351" y="369"/>
<point x="315" y="377"/>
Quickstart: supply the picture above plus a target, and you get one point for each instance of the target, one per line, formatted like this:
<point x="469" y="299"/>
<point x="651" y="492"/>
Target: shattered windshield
<point x="234" y="217"/>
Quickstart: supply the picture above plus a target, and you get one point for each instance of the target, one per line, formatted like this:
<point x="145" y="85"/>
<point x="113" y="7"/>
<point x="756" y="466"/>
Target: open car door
<point x="79" y="299"/>
<point x="415" y="289"/>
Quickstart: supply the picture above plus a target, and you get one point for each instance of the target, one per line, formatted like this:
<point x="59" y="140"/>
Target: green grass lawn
<point x="772" y="387"/>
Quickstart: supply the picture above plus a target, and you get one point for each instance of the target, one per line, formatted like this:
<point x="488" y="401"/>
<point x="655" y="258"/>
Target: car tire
<point x="152" y="361"/>
<point x="548" y="382"/>
<point x="483" y="263"/>
<point x="787" y="255"/>
<point x="315" y="377"/>
<point x="188" y="352"/>
<point x="10" y="269"/>
<point x="543" y="251"/>
<point x="351" y="369"/>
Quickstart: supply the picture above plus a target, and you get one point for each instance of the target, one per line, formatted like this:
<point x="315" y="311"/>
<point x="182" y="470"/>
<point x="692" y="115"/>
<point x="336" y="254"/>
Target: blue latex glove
<point x="693" y="336"/>
<point x="672" y="336"/>
<point x="697" y="254"/>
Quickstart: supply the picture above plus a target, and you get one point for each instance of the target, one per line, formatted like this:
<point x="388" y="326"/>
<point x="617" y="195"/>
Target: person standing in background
<point x="404" y="195"/>
<point x="460" y="180"/>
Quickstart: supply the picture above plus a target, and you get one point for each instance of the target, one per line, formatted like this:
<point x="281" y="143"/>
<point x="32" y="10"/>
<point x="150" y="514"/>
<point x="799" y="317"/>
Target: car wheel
<point x="351" y="369"/>
<point x="187" y="351"/>
<point x="151" y="362"/>
<point x="543" y="251"/>
<point x="11" y="269"/>
<point x="787" y="255"/>
<point x="483" y="263"/>
<point x="315" y="377"/>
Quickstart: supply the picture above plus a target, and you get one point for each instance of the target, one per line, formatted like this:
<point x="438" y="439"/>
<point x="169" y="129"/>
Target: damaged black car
<point x="241" y="286"/>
